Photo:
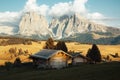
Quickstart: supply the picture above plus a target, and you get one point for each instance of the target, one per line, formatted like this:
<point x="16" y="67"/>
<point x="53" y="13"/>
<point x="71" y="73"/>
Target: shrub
<point x="116" y="55"/>
<point x="20" y="51"/>
<point x="13" y="50"/>
<point x="3" y="43"/>
<point x="49" y="44"/>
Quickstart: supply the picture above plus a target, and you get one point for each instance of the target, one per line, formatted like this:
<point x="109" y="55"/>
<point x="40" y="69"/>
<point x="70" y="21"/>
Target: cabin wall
<point x="59" y="60"/>
<point x="77" y="60"/>
<point x="41" y="63"/>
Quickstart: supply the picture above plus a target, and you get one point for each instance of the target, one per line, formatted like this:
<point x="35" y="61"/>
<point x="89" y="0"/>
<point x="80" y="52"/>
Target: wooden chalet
<point x="51" y="59"/>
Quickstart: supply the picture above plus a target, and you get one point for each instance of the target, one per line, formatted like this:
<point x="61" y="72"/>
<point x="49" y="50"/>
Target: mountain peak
<point x="32" y="24"/>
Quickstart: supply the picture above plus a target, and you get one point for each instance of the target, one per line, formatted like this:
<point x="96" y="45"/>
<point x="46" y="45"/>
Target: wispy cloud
<point x="68" y="8"/>
<point x="7" y="30"/>
<point x="31" y="5"/>
<point x="8" y="16"/>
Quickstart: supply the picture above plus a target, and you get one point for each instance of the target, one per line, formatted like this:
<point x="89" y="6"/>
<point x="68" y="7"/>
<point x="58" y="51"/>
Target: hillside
<point x="94" y="38"/>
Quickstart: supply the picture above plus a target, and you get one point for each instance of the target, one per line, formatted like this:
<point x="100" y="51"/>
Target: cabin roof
<point x="77" y="54"/>
<point x="47" y="53"/>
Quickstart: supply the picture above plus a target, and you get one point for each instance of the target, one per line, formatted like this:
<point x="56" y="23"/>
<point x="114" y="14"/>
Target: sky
<point x="105" y="12"/>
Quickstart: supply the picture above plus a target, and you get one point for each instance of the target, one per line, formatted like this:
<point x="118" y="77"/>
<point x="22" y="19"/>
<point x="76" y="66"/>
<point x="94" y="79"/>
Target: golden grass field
<point x="35" y="47"/>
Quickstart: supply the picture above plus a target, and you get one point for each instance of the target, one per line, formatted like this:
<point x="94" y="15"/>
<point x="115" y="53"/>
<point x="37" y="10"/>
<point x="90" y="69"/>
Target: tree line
<point x="93" y="54"/>
<point x="59" y="46"/>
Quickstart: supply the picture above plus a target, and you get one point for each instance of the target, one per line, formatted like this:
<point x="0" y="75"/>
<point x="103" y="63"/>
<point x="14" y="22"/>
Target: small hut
<point x="78" y="58"/>
<point x="51" y="59"/>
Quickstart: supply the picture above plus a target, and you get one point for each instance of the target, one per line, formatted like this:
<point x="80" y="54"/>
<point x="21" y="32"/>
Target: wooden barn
<point x="78" y="58"/>
<point x="51" y="59"/>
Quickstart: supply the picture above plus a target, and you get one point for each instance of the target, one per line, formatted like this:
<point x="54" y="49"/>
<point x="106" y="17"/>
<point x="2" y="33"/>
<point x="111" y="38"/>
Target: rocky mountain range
<point x="69" y="25"/>
<point x="74" y="28"/>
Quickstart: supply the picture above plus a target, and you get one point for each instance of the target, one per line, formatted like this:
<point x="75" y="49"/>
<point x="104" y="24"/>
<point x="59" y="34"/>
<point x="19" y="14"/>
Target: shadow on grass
<point x="103" y="71"/>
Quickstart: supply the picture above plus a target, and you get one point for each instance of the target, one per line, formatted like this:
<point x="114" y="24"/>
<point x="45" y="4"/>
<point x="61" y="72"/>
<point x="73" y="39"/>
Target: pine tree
<point x="88" y="53"/>
<point x="94" y="54"/>
<point x="49" y="44"/>
<point x="61" y="46"/>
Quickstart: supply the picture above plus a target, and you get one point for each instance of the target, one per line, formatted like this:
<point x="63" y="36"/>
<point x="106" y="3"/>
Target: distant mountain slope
<point x="88" y="38"/>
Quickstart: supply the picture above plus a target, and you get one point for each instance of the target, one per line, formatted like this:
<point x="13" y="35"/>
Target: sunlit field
<point x="72" y="46"/>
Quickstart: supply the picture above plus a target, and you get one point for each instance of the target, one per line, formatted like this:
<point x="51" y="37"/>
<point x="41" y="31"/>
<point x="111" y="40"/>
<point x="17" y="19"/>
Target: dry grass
<point x="73" y="46"/>
<point x="104" y="49"/>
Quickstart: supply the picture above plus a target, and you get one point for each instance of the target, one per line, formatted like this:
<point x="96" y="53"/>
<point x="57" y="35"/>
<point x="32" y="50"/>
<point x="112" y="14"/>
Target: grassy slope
<point x="105" y="71"/>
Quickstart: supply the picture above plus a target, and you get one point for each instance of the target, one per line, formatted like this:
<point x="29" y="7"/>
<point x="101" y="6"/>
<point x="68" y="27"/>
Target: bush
<point x="49" y="44"/>
<point x="20" y="51"/>
<point x="27" y="42"/>
<point x="13" y="50"/>
<point x="3" y="43"/>
<point x="116" y="55"/>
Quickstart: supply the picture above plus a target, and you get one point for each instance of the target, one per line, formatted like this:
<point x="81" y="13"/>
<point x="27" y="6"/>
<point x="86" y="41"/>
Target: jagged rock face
<point x="68" y="25"/>
<point x="32" y="24"/>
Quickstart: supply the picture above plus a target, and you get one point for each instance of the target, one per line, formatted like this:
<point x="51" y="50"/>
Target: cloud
<point x="78" y="6"/>
<point x="97" y="17"/>
<point x="9" y="17"/>
<point x="43" y="10"/>
<point x="31" y="5"/>
<point x="7" y="30"/>
<point x="68" y="8"/>
<point x="57" y="10"/>
<point x="60" y="9"/>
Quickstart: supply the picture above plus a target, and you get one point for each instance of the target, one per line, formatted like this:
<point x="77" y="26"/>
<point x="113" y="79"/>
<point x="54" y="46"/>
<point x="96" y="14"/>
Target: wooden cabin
<point x="78" y="58"/>
<point x="51" y="59"/>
